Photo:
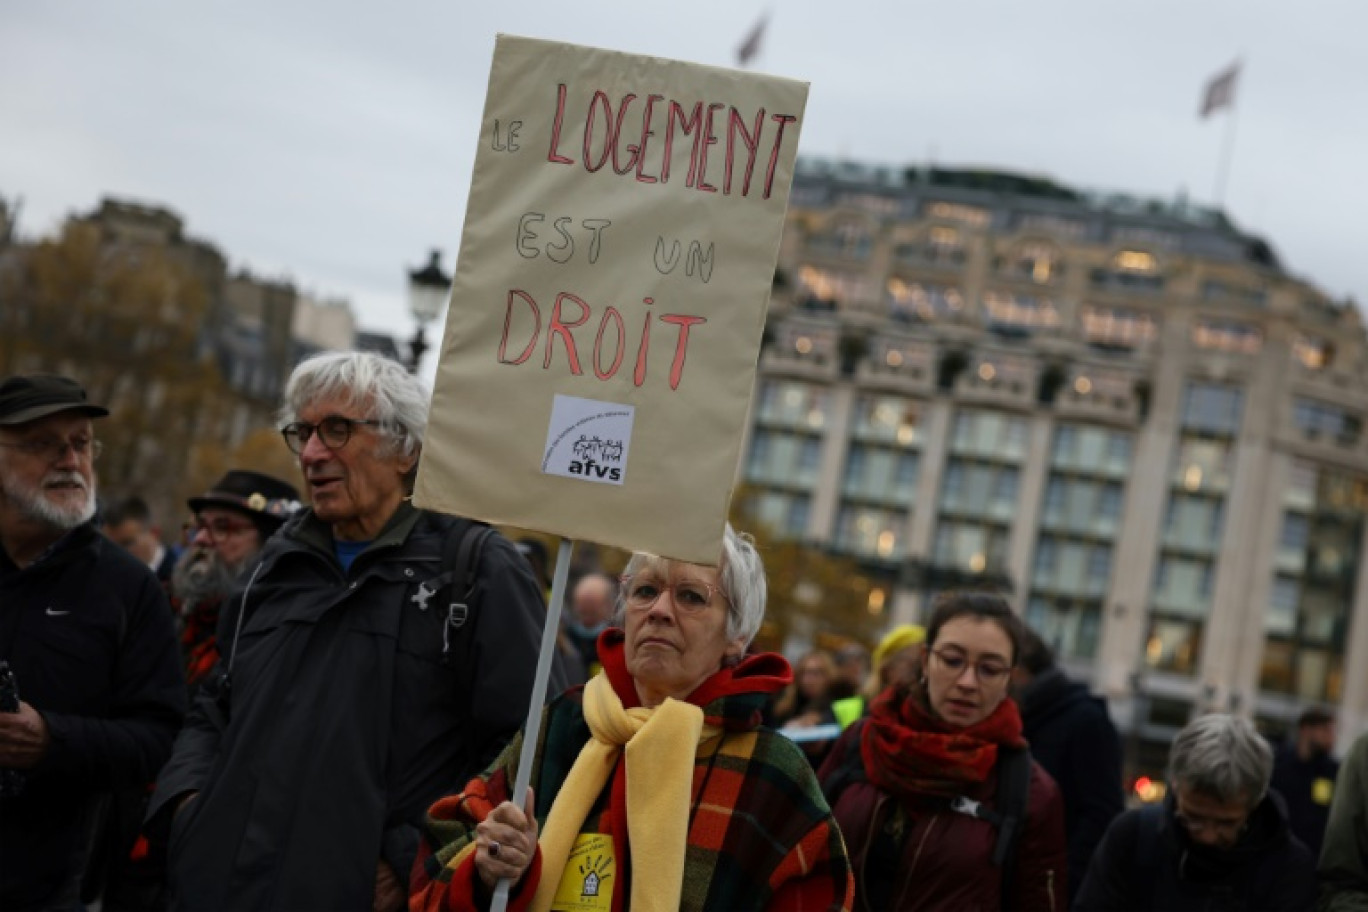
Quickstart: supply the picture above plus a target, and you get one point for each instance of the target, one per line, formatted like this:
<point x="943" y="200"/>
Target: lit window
<point x="1226" y="335"/>
<point x="1134" y="261"/>
<point x="1314" y="354"/>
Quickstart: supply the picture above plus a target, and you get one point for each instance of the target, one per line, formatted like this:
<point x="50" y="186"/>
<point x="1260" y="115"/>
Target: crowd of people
<point x="321" y="707"/>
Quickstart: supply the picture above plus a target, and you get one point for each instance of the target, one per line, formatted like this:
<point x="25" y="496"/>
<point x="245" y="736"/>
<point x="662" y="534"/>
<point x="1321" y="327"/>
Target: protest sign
<point x="609" y="300"/>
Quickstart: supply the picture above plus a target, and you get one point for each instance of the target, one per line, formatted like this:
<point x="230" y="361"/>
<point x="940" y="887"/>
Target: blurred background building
<point x="1126" y="413"/>
<point x="190" y="356"/>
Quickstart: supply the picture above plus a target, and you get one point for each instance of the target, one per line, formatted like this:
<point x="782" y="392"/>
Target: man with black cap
<point x="88" y="634"/>
<point x="233" y="519"/>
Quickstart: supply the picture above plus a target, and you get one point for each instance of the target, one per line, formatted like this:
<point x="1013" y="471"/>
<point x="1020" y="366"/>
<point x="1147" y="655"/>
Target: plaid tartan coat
<point x="760" y="835"/>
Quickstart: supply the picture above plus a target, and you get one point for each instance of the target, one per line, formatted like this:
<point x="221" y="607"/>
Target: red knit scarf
<point x="907" y="751"/>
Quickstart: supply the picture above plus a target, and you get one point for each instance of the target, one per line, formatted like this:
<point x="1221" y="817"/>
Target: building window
<point x="941" y="246"/>
<point x="784" y="512"/>
<point x="970" y="546"/>
<point x="1311" y="353"/>
<point x="957" y="212"/>
<point x="1174" y="645"/>
<point x="1036" y="260"/>
<point x="876" y="473"/>
<point x="991" y="435"/>
<point x="1130" y="270"/>
<point x="1216" y="290"/>
<point x="1227" y="335"/>
<point x="1071" y="567"/>
<point x="1194" y="523"/>
<point x="980" y="489"/>
<point x="1020" y="311"/>
<point x="1071" y="626"/>
<point x="833" y="288"/>
<point x="794" y="404"/>
<point x="1212" y="408"/>
<point x="1091" y="450"/>
<point x="844" y="237"/>
<point x="888" y="419"/>
<point x="1183" y="586"/>
<point x="1323" y="421"/>
<point x="1281" y="619"/>
<point x="1118" y="327"/>
<point x="783" y="458"/>
<point x="870" y="531"/>
<point x="1083" y="506"/>
<point x="909" y="300"/>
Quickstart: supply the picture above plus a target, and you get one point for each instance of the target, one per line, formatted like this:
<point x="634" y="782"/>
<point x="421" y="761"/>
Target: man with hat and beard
<point x="87" y="632"/>
<point x="233" y="519"/>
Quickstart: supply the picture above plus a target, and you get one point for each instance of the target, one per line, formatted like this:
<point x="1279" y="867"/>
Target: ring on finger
<point x="494" y="849"/>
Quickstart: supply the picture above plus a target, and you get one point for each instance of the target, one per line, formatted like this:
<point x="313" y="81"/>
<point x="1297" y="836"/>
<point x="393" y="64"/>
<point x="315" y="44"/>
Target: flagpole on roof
<point x="1220" y="93"/>
<point x="1227" y="145"/>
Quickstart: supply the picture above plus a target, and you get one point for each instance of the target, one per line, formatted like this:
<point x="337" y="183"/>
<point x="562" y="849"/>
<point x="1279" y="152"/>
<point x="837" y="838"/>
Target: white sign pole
<point x="532" y="727"/>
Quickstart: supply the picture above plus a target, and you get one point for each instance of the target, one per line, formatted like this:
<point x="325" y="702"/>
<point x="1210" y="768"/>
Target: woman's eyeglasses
<point x="988" y="671"/>
<point x="640" y="593"/>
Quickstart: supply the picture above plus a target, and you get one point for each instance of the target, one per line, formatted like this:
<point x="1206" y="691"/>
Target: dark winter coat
<point x="1307" y="787"/>
<point x="1146" y="861"/>
<point x="945" y="861"/>
<point x="1072" y="736"/>
<point x="349" y="713"/>
<point x="90" y="637"/>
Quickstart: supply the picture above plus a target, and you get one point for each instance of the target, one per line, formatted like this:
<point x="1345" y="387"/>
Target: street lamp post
<point x="428" y="290"/>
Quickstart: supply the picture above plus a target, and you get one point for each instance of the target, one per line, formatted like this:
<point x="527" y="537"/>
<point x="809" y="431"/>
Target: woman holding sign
<point x="654" y="786"/>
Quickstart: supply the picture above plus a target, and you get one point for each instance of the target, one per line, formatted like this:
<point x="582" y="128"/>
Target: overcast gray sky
<point x="332" y="142"/>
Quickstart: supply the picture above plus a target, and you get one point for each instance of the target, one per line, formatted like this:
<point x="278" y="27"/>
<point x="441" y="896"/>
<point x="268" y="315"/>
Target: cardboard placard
<point x="616" y="262"/>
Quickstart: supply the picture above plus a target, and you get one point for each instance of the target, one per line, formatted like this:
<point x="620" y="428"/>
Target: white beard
<point x="34" y="504"/>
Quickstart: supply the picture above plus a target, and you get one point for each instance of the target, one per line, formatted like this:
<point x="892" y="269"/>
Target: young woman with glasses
<point x="915" y="787"/>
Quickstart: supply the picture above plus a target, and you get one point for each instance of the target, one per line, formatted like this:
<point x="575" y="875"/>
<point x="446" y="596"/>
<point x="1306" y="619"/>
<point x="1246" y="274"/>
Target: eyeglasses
<point x="988" y="671"/>
<point x="1229" y="827"/>
<point x="51" y="449"/>
<point x="220" y="528"/>
<point x="689" y="596"/>
<point x="334" y="431"/>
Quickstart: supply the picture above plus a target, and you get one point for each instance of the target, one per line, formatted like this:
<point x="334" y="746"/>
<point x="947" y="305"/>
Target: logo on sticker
<point x="588" y="440"/>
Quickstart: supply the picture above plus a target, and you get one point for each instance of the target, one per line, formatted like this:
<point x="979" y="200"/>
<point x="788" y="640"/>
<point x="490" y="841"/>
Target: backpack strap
<point x="461" y="559"/>
<point x="1014" y="795"/>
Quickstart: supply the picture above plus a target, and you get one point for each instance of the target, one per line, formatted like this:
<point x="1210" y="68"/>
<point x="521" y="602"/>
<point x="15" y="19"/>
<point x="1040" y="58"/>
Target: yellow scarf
<point x="659" y="783"/>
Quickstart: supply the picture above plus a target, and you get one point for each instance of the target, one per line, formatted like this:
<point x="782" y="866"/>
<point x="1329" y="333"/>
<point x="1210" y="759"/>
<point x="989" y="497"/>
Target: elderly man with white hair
<point x="359" y="681"/>
<point x="1220" y="840"/>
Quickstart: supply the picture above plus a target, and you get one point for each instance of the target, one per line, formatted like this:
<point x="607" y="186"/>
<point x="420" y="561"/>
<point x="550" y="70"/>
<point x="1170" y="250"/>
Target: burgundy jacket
<point x="946" y="857"/>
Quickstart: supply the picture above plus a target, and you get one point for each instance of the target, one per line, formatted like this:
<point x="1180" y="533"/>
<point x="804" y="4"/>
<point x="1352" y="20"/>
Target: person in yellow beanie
<point x="895" y="660"/>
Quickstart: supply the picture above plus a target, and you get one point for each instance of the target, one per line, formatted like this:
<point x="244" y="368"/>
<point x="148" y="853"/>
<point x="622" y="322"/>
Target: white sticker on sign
<point x="588" y="440"/>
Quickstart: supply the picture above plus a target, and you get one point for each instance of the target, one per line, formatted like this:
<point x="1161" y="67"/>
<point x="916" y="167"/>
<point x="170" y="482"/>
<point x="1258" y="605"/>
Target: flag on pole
<point x="751" y="46"/>
<point x="1220" y="91"/>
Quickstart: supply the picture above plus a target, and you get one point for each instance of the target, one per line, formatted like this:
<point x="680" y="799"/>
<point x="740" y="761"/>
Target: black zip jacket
<point x="90" y="637"/>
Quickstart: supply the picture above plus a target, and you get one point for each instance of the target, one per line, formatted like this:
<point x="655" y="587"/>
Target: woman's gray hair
<point x="1222" y="757"/>
<point x="743" y="583"/>
<point x="389" y="393"/>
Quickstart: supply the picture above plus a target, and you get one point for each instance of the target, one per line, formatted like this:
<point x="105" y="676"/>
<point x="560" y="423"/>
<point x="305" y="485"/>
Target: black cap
<point x="24" y="399"/>
<point x="261" y="496"/>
